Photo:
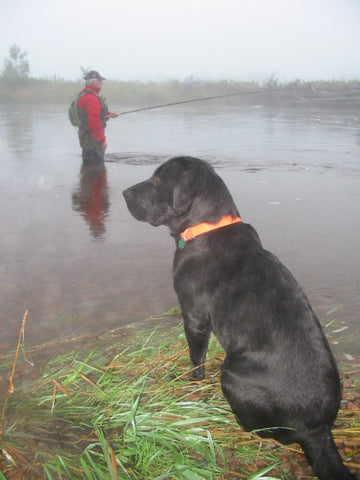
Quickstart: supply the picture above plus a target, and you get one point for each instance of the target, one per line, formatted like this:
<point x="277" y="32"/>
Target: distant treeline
<point x="136" y="93"/>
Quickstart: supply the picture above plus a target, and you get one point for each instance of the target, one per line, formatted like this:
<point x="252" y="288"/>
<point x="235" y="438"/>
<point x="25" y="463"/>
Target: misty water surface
<point x="74" y="257"/>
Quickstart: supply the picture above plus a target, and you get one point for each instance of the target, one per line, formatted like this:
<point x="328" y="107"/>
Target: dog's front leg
<point x="197" y="335"/>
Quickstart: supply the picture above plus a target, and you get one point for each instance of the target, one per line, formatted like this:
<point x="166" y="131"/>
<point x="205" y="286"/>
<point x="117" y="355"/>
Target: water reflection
<point x="19" y="131"/>
<point x="91" y="198"/>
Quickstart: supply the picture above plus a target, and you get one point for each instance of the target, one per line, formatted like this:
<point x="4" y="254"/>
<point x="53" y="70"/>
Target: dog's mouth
<point x="145" y="209"/>
<point x="162" y="218"/>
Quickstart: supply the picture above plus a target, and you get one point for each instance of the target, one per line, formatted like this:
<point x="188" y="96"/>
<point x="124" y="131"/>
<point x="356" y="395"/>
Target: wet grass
<point x="120" y="406"/>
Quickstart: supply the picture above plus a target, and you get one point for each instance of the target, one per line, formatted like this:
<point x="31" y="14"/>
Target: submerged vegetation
<point x="120" y="406"/>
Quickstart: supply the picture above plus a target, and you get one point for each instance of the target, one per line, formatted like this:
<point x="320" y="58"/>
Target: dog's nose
<point x="127" y="193"/>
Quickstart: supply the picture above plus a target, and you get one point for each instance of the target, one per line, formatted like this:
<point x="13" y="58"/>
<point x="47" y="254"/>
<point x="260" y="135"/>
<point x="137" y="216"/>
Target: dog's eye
<point x="155" y="180"/>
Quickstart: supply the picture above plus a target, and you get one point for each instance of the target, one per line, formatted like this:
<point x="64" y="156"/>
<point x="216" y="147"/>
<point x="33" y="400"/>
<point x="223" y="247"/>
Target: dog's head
<point x="182" y="192"/>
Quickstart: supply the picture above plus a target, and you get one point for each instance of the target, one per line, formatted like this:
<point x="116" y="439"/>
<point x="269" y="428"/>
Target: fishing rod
<point x="201" y="99"/>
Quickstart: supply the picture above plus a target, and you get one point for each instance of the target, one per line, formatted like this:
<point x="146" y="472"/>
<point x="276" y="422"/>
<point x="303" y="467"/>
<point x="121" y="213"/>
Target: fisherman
<point x="93" y="113"/>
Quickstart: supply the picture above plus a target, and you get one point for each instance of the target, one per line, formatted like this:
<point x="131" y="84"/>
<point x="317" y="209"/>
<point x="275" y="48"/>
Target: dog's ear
<point x="184" y="194"/>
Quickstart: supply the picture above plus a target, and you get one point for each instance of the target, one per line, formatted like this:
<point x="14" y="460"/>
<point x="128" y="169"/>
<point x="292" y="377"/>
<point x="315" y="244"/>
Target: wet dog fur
<point x="279" y="375"/>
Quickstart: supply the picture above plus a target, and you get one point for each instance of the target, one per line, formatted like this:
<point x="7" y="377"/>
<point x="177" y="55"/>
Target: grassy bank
<point x="120" y="406"/>
<point x="149" y="93"/>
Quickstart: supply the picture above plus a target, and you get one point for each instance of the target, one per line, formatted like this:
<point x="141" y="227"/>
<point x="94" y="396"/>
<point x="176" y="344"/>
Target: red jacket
<point x="91" y="104"/>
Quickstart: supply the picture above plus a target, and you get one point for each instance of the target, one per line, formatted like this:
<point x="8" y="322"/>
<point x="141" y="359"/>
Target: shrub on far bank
<point x="45" y="91"/>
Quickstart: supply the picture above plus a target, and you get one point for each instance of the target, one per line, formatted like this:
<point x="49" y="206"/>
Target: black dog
<point x="279" y="375"/>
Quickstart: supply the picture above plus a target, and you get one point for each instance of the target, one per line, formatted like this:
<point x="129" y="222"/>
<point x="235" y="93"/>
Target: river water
<point x="72" y="255"/>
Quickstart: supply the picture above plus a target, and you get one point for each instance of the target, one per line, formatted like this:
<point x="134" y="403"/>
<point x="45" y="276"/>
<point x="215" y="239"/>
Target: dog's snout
<point x="127" y="193"/>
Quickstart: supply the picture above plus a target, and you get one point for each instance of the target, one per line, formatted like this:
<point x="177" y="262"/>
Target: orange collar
<point x="204" y="227"/>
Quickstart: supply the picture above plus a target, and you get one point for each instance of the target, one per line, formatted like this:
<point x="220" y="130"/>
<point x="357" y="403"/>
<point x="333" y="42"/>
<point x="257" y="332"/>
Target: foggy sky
<point x="206" y="39"/>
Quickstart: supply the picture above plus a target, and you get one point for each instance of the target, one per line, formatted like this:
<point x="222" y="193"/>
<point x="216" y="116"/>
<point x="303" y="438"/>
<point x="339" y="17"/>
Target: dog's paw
<point x="197" y="373"/>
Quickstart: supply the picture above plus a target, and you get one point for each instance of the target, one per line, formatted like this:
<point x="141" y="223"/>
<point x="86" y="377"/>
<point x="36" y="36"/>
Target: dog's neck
<point x="201" y="228"/>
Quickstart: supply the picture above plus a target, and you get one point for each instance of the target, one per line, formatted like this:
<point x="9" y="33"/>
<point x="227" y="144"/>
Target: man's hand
<point x="112" y="115"/>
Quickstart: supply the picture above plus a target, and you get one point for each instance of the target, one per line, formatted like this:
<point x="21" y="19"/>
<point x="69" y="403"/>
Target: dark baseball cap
<point x="93" y="74"/>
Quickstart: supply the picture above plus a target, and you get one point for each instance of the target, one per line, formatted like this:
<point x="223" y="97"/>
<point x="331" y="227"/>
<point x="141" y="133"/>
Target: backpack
<point x="73" y="113"/>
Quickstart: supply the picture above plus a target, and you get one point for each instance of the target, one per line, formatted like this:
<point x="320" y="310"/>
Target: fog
<point x="207" y="39"/>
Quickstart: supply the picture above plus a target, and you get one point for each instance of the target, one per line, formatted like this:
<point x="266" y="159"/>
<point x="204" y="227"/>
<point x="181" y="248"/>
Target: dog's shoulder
<point x="239" y="239"/>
